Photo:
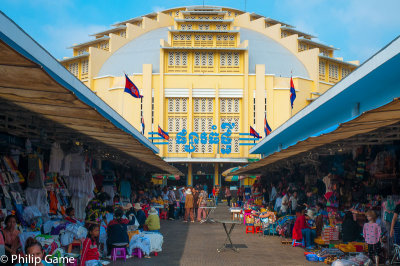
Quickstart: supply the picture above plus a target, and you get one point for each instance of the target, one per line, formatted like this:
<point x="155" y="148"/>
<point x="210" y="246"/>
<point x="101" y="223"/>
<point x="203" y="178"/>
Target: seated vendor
<point x="117" y="231"/>
<point x="301" y="230"/>
<point x="320" y="218"/>
<point x="11" y="236"/>
<point x="70" y="215"/>
<point x="140" y="215"/>
<point x="351" y="231"/>
<point x="153" y="221"/>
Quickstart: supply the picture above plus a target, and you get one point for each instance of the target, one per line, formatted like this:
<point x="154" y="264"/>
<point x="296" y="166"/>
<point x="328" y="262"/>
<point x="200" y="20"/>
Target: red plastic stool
<point x="163" y="215"/>
<point x="250" y="229"/>
<point x="258" y="229"/>
<point x="155" y="254"/>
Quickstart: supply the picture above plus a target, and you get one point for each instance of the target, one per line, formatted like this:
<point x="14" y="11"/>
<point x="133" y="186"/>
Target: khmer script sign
<point x="193" y="138"/>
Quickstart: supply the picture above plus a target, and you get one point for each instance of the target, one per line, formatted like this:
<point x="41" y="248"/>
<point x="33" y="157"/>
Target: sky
<point x="359" y="28"/>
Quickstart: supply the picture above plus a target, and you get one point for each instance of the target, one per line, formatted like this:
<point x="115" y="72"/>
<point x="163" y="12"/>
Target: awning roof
<point x="375" y="83"/>
<point x="386" y="115"/>
<point x="37" y="89"/>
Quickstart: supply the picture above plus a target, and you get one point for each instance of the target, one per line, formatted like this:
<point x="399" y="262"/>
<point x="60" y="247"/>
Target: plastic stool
<point x="118" y="253"/>
<point x="296" y="244"/>
<point x="155" y="254"/>
<point x="250" y="229"/>
<point x="137" y="252"/>
<point x="258" y="229"/>
<point x="164" y="215"/>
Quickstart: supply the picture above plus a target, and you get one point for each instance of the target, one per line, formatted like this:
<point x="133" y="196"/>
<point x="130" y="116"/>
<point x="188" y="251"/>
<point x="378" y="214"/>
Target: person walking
<point x="202" y="202"/>
<point x="171" y="204"/>
<point x="228" y="195"/>
<point x="195" y="194"/>
<point x="189" y="204"/>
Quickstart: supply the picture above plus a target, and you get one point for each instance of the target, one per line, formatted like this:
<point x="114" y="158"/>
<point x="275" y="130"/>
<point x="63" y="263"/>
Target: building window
<point x="210" y="37"/>
<point x="175" y="37"/>
<point x="235" y="146"/>
<point x="170" y="145"/>
<point x="209" y="124"/>
<point x="177" y="105"/>
<point x="236" y="60"/>
<point x="196" y="58"/>
<point x="81" y="51"/>
<point x="229" y="105"/>
<point x="218" y="27"/>
<point x="210" y="59"/>
<point x="322" y="68"/>
<point x="231" y="37"/>
<point x="219" y="37"/>
<point x="188" y="37"/>
<point x="345" y="72"/>
<point x="177" y="58"/>
<point x="189" y="27"/>
<point x="224" y="27"/>
<point x="229" y="13"/>
<point x="177" y="13"/>
<point x="222" y="59"/>
<point x="230" y="120"/>
<point x="123" y="33"/>
<point x="333" y="71"/>
<point x="85" y="66"/>
<point x="171" y="58"/>
<point x="170" y="124"/>
<point x="284" y="34"/>
<point x="303" y="47"/>
<point x="203" y="105"/>
<point x="203" y="59"/>
<point x="197" y="37"/>
<point x="184" y="58"/>
<point x="73" y="68"/>
<point x="183" y="27"/>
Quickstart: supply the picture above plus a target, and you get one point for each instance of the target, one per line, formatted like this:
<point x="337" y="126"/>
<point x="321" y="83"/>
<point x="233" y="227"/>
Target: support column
<point x="216" y="174"/>
<point x="189" y="181"/>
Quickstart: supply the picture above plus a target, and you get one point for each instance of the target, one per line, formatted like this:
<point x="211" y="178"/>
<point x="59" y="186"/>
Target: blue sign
<point x="193" y="138"/>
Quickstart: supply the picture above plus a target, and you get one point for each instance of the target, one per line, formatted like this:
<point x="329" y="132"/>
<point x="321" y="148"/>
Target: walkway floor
<point x="196" y="244"/>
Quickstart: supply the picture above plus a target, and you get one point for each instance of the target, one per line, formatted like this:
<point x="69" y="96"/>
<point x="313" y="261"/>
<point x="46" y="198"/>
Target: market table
<point x="235" y="211"/>
<point x="228" y="234"/>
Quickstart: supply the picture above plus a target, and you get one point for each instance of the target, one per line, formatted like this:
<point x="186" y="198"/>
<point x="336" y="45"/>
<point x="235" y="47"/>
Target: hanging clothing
<point x="56" y="157"/>
<point x="37" y="197"/>
<point x="125" y="189"/>
<point x="65" y="165"/>
<point x="110" y="191"/>
<point x="35" y="174"/>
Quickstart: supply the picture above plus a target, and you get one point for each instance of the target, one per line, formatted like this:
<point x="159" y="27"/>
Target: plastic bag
<point x="343" y="263"/>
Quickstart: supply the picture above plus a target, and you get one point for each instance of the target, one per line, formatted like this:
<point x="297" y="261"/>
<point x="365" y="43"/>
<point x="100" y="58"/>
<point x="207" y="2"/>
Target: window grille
<point x="210" y="37"/>
<point x="203" y="37"/>
<point x="196" y="105"/>
<point x="236" y="105"/>
<point x="177" y="104"/>
<point x="176" y="37"/>
<point x="211" y="59"/>
<point x="231" y="37"/>
<point x="203" y="105"/>
<point x="333" y="71"/>
<point x="209" y="124"/>
<point x="170" y="145"/>
<point x="184" y="123"/>
<point x="210" y="105"/>
<point x="196" y="123"/>
<point x="229" y="60"/>
<point x="171" y="58"/>
<point x="222" y="59"/>
<point x="229" y="106"/>
<point x="188" y="37"/>
<point x="218" y="27"/>
<point x="209" y="148"/>
<point x="207" y="27"/>
<point x="85" y="66"/>
<point x="322" y="68"/>
<point x="176" y="13"/>
<point x="177" y="58"/>
<point x="184" y="58"/>
<point x="182" y="37"/>
<point x="177" y="124"/>
<point x="203" y="59"/>
<point x="203" y="124"/>
<point x="197" y="37"/>
<point x="170" y="124"/>
<point x="183" y="27"/>
<point x="201" y="27"/>
<point x="236" y="59"/>
<point x="219" y="37"/>
<point x="229" y="13"/>
<point x="223" y="105"/>
<point x="196" y="58"/>
<point x="123" y="34"/>
<point x="345" y="72"/>
<point x="73" y="68"/>
<point x="225" y="37"/>
<point x="225" y="27"/>
<point x="176" y="147"/>
<point x="235" y="145"/>
<point x="189" y="26"/>
<point x="236" y="121"/>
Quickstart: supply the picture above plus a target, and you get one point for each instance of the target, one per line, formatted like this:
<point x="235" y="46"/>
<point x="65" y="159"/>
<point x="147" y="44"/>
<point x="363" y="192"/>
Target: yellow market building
<point x="200" y="69"/>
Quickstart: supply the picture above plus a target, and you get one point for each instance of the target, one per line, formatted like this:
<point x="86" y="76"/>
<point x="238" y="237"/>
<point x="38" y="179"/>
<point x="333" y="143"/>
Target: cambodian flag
<point x="267" y="128"/>
<point x="142" y="125"/>
<point x="254" y="133"/>
<point x="131" y="88"/>
<point x="292" y="92"/>
<point x="162" y="133"/>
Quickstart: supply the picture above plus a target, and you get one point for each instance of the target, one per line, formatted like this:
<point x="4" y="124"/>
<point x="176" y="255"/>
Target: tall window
<point x="85" y="66"/>
<point x="73" y="68"/>
<point x="333" y="71"/>
<point x="345" y="72"/>
<point x="322" y="68"/>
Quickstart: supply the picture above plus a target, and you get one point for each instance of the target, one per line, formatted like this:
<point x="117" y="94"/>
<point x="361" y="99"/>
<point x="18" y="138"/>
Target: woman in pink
<point x="202" y="202"/>
<point x="228" y="195"/>
<point x="372" y="234"/>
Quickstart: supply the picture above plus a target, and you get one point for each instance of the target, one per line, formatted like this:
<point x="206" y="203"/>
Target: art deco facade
<point x="199" y="67"/>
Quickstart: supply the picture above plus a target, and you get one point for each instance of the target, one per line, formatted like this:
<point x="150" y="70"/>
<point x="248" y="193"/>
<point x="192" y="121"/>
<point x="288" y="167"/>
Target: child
<point x="90" y="250"/>
<point x="372" y="233"/>
<point x="70" y="215"/>
<point x="35" y="252"/>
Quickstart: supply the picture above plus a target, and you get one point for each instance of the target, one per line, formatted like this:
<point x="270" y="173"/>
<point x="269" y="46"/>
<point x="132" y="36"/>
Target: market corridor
<point x="196" y="244"/>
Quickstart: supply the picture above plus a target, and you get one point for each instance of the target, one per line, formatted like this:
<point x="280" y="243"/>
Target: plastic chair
<point x="137" y="252"/>
<point x="118" y="253"/>
<point x="258" y="229"/>
<point x="250" y="229"/>
<point x="296" y="243"/>
<point x="164" y="215"/>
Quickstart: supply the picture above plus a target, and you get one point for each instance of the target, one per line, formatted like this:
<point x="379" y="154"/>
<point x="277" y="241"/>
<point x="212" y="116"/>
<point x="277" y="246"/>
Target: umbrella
<point x="230" y="170"/>
<point x="232" y="178"/>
